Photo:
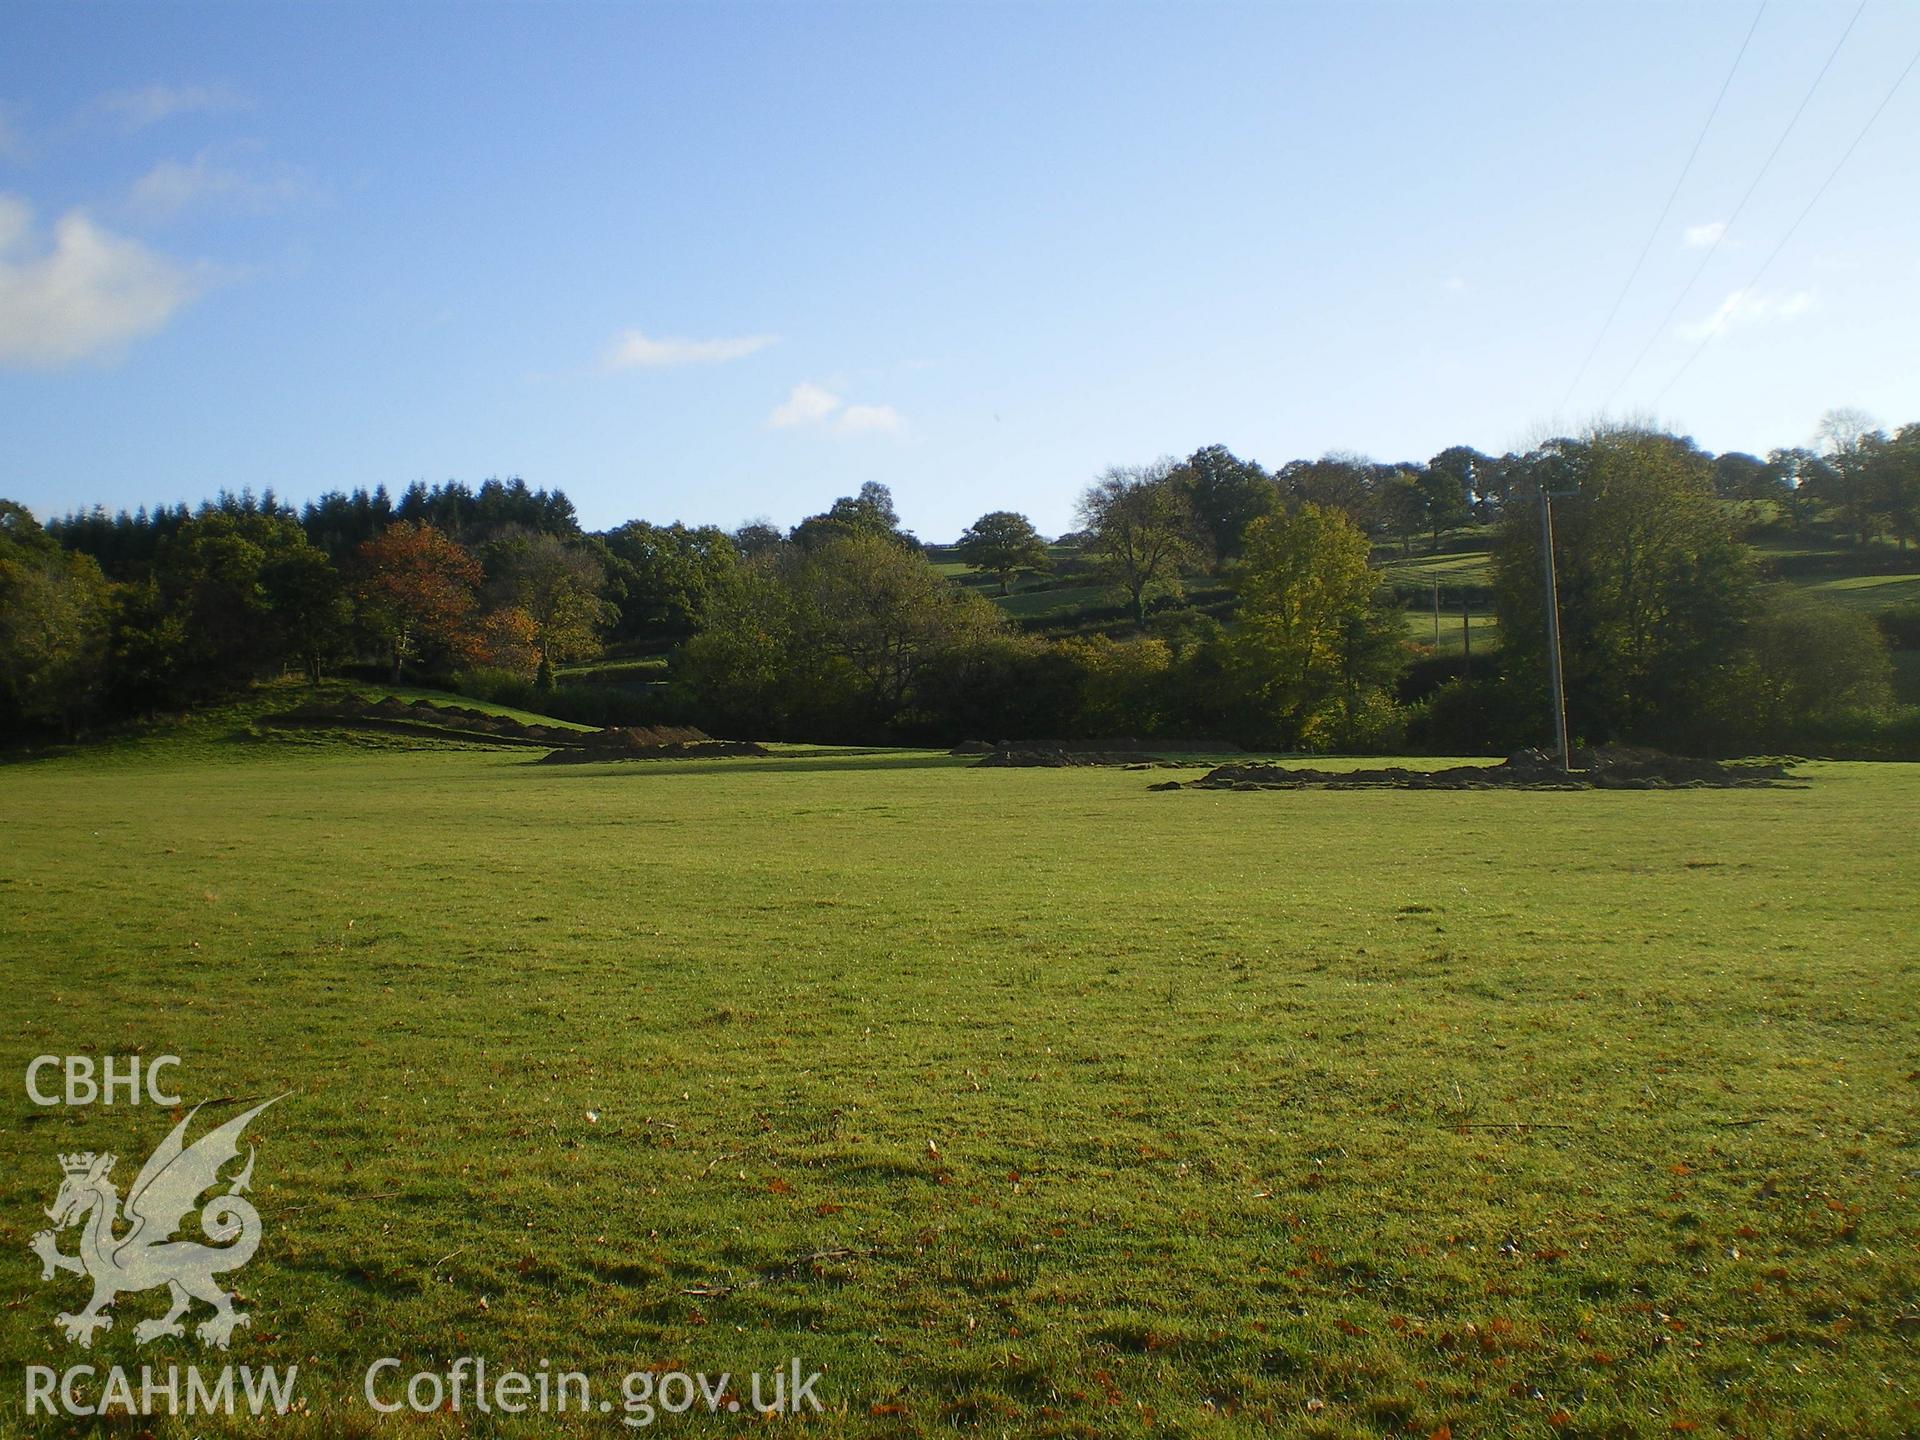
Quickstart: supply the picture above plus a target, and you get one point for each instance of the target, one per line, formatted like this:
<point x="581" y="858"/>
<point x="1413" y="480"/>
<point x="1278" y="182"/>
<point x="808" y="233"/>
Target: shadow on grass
<point x="789" y="762"/>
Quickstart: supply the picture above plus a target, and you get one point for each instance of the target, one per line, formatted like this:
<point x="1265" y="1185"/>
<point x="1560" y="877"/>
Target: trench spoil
<point x="1606" y="767"/>
<point x="426" y="720"/>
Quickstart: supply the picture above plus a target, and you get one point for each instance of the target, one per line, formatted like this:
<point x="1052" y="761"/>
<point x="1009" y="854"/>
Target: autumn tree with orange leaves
<point x="418" y="592"/>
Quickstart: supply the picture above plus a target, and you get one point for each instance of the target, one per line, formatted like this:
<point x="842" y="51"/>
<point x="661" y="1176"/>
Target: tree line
<point x="844" y="627"/>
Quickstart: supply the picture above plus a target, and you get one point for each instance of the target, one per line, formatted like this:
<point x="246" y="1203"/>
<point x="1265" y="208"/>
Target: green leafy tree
<point x="1446" y="491"/>
<point x="742" y="669"/>
<point x="1347" y="483"/>
<point x="883" y="613"/>
<point x="1124" y="684"/>
<point x="54" y="613"/>
<point x="1002" y="544"/>
<point x="1227" y="495"/>
<point x="1850" y="444"/>
<point x="1655" y="588"/>
<point x="312" y="611"/>
<point x="1141" y="533"/>
<point x="1800" y="479"/>
<point x="1318" y="642"/>
<point x="870" y="512"/>
<point x="1893" y="481"/>
<point x="831" y="642"/>
<point x="1401" y="504"/>
<point x="233" y="594"/>
<point x="1809" y="662"/>
<point x="666" y="576"/>
<point x="557" y="584"/>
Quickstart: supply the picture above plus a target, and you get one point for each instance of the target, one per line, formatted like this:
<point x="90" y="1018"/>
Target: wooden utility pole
<point x="1466" y="663"/>
<point x="1556" y="680"/>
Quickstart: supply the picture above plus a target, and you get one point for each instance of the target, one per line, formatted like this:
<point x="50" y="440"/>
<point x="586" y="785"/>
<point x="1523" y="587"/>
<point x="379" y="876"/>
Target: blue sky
<point x="720" y="261"/>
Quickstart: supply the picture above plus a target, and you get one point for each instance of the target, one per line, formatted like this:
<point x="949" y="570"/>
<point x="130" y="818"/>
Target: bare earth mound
<point x="421" y="718"/>
<point x="644" y="742"/>
<point x="1053" y="756"/>
<point x="1610" y="767"/>
<point x="390" y="716"/>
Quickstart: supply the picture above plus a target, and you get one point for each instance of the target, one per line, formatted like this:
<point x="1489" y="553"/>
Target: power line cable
<point x="1721" y="320"/>
<point x="1665" y="210"/>
<point x="1714" y="248"/>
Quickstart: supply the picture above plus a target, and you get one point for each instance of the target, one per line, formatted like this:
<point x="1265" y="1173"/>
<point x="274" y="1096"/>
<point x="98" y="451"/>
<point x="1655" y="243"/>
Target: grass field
<point x="1466" y="567"/>
<point x="1485" y="628"/>
<point x="1868" y="592"/>
<point x="1022" y="1101"/>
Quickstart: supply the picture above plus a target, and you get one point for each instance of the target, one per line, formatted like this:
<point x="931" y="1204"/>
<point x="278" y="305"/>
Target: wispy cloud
<point x="630" y="350"/>
<point x="859" y="419"/>
<point x="151" y="104"/>
<point x="82" y="293"/>
<point x="1454" y="285"/>
<point x="805" y="405"/>
<point x="1746" y="307"/>
<point x="815" y="405"/>
<point x="1699" y="237"/>
<point x="215" y="178"/>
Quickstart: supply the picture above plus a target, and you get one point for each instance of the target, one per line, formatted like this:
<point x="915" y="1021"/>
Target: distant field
<point x="646" y="670"/>
<point x="1868" y="592"/>
<point x="1469" y="567"/>
<point x="1026" y="1101"/>
<point x="1485" y="630"/>
<point x="1055" y="603"/>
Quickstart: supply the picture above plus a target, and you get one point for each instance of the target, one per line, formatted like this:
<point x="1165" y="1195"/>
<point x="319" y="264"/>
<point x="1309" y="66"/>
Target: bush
<point x="1808" y="665"/>
<point x="1900" y="626"/>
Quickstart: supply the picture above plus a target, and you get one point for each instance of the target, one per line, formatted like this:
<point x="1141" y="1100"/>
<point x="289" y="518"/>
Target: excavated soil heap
<point x="1609" y="767"/>
<point x="391" y="716"/>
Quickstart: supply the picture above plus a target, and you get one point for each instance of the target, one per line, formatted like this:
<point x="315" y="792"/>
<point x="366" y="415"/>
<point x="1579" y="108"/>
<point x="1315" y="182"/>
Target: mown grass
<point x="1484" y="625"/>
<point x="1030" y="1102"/>
<point x="1056" y="602"/>
<point x="1466" y="567"/>
<point x="1870" y="593"/>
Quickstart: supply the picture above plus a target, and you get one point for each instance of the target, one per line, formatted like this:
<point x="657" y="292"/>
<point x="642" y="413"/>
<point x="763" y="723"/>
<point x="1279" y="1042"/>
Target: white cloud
<point x="173" y="186"/>
<point x="805" y="405"/>
<point x="85" y="295"/>
<point x="1699" y="237"/>
<point x="809" y="404"/>
<point x="1454" y="285"/>
<point x="632" y="350"/>
<point x="137" y="109"/>
<point x="1744" y="307"/>
<point x="860" y="419"/>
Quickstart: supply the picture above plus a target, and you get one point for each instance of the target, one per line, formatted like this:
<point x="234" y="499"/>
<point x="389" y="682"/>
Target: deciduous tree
<point x="418" y="593"/>
<point x="1318" y="641"/>
<point x="1655" y="588"/>
<point x="1003" y="543"/>
<point x="53" y="627"/>
<point x="556" y="583"/>
<point x="1227" y="495"/>
<point x="1141" y="532"/>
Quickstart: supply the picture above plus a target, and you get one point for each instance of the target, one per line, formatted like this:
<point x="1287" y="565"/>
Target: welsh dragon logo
<point x="146" y="1254"/>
